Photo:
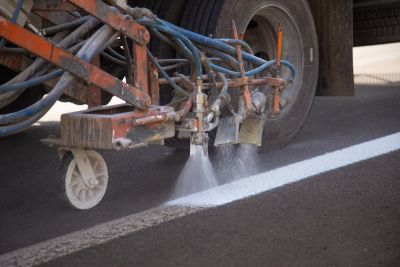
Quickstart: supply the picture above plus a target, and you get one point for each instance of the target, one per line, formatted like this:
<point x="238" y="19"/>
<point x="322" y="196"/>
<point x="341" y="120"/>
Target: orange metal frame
<point x="66" y="60"/>
<point x="112" y="17"/>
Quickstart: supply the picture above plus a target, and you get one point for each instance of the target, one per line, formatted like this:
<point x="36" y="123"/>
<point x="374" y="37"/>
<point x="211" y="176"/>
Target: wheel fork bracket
<point x="85" y="167"/>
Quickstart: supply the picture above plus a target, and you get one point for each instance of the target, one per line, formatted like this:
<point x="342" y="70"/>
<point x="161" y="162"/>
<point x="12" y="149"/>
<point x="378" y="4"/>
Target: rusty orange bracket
<point x="94" y="92"/>
<point x="74" y="65"/>
<point x="246" y="91"/>
<point x="141" y="68"/>
<point x="277" y="93"/>
<point x="154" y="85"/>
<point x="115" y="19"/>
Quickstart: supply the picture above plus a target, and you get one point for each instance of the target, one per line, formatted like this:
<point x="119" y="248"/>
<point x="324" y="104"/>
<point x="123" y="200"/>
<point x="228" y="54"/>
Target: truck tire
<point x="258" y="19"/>
<point x="376" y="23"/>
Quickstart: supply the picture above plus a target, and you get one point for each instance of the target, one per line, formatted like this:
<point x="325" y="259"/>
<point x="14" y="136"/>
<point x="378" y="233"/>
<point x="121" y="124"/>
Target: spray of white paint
<point x="248" y="163"/>
<point x="235" y="162"/>
<point x="196" y="176"/>
<point x="263" y="182"/>
<point x="222" y="162"/>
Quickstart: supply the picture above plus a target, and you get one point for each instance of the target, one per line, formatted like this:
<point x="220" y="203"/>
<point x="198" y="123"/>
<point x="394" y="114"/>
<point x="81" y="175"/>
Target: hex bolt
<point x="144" y="35"/>
<point x="147" y="101"/>
<point x="93" y="182"/>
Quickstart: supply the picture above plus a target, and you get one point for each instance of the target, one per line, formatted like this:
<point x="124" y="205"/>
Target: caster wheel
<point x="74" y="191"/>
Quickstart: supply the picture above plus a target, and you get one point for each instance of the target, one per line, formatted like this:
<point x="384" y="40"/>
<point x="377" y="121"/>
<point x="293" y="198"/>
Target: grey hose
<point x="33" y="113"/>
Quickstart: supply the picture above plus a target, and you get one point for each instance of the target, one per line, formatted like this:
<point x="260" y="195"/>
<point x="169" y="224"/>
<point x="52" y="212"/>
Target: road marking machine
<point x="214" y="92"/>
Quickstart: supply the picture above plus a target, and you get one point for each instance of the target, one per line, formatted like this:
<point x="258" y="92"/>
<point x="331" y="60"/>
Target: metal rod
<point x="246" y="91"/>
<point x="277" y="93"/>
<point x="115" y="19"/>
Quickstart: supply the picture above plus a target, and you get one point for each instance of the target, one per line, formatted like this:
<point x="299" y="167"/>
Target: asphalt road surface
<point x="346" y="216"/>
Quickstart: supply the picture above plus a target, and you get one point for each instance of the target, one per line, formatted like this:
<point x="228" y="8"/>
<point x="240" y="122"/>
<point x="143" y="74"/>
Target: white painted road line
<point x="96" y="235"/>
<point x="99" y="234"/>
<point x="291" y="173"/>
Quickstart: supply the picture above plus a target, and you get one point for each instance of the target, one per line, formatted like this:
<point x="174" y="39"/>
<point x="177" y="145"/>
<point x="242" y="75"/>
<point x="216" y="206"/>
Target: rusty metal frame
<point x="116" y="127"/>
<point x="66" y="60"/>
<point x="94" y="92"/>
<point x="154" y="85"/>
<point x="52" y="5"/>
<point x="115" y="19"/>
<point x="141" y="68"/>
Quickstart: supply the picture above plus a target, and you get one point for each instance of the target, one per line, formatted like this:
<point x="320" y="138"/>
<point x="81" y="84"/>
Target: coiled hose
<point x="24" y="118"/>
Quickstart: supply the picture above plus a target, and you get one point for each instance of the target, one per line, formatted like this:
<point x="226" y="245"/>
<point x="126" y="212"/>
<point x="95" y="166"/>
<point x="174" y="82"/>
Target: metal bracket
<point x="85" y="168"/>
<point x="112" y="17"/>
<point x="228" y="131"/>
<point x="195" y="148"/>
<point x="251" y="131"/>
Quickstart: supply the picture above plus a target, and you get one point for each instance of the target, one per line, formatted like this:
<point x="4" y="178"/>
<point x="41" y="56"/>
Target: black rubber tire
<point x="377" y="23"/>
<point x="214" y="17"/>
<point x="300" y="38"/>
<point x="202" y="16"/>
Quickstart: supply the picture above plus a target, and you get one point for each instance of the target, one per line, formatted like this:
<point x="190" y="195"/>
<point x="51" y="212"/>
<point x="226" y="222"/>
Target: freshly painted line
<point x="99" y="234"/>
<point x="291" y="173"/>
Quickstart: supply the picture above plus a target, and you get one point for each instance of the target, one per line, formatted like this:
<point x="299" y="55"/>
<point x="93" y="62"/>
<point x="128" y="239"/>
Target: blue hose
<point x="254" y="71"/>
<point x="19" y="119"/>
<point x="165" y="75"/>
<point x="184" y="35"/>
<point x="217" y="44"/>
<point x="30" y="83"/>
<point x="242" y="43"/>
<point x="225" y="57"/>
<point x="17" y="10"/>
<point x="13" y="19"/>
<point x="220" y="45"/>
<point x="165" y="28"/>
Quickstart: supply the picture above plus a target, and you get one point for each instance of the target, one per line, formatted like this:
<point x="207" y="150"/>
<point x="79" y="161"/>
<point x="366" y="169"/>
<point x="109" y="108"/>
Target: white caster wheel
<point x="77" y="192"/>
